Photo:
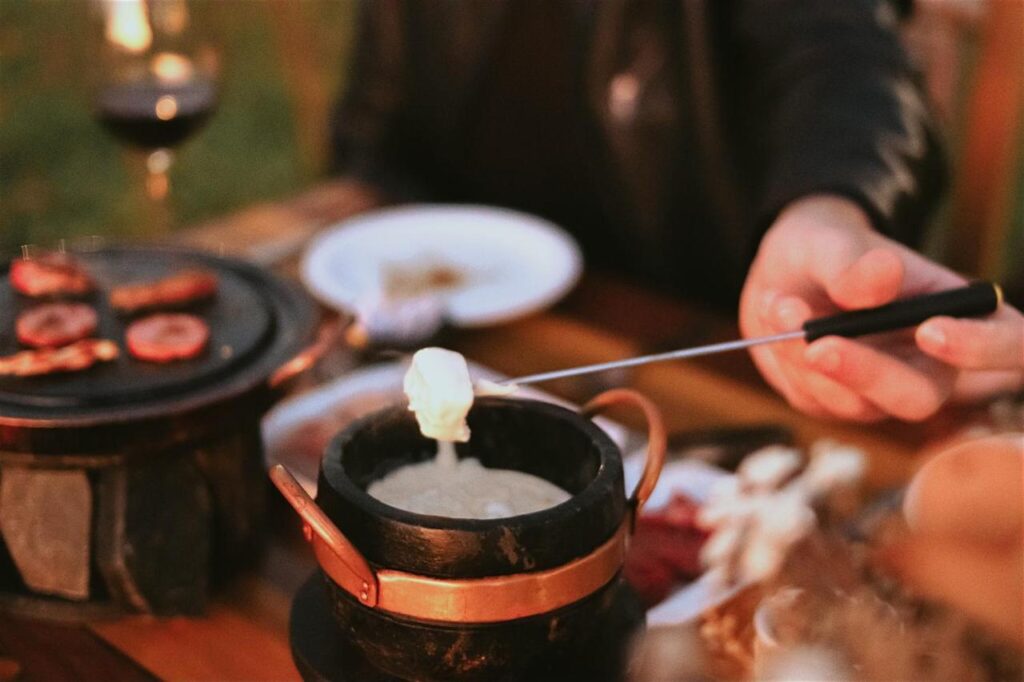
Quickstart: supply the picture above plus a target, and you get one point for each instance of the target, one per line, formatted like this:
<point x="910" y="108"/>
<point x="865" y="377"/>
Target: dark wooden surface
<point x="244" y="634"/>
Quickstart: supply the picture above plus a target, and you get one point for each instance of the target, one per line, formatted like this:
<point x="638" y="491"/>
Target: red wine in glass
<point x="154" y="115"/>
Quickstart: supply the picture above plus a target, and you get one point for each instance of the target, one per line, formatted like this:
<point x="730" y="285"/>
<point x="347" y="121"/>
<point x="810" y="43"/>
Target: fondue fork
<point x="973" y="300"/>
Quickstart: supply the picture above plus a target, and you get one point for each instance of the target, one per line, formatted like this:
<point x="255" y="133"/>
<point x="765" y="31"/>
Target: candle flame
<point x="128" y="26"/>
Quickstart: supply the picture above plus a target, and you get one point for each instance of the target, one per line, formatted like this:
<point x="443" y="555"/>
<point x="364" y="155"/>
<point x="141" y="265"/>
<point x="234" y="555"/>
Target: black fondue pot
<point x="122" y="487"/>
<point x="436" y="598"/>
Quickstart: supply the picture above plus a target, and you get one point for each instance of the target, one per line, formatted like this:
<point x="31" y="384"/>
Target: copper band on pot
<point x="477" y="600"/>
<point x="505" y="597"/>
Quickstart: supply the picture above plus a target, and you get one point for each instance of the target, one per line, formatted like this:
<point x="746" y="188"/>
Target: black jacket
<point x="665" y="134"/>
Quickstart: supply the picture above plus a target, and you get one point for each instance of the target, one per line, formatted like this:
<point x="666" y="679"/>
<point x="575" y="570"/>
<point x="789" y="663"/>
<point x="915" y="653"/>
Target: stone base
<point x="148" y="533"/>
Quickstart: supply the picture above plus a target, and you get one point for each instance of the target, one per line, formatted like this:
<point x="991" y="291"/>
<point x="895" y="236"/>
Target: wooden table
<point x="244" y="634"/>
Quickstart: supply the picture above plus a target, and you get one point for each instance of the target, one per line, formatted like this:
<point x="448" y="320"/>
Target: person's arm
<point x="849" y="156"/>
<point x="834" y="108"/>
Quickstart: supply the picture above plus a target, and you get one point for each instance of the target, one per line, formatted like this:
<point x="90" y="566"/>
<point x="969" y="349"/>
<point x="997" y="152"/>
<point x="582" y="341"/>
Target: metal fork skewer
<point x="656" y="357"/>
<point x="973" y="300"/>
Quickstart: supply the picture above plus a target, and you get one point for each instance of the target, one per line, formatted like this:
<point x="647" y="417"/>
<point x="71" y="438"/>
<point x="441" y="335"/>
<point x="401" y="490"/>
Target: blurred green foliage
<point x="62" y="175"/>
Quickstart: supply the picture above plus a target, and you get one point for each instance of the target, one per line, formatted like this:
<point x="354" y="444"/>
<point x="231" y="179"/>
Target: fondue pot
<point x="132" y="486"/>
<point x="436" y="598"/>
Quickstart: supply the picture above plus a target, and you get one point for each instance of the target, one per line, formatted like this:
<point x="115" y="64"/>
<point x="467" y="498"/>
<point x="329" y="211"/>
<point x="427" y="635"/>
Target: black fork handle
<point x="974" y="300"/>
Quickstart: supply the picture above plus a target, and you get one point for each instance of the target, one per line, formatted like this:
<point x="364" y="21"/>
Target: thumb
<point x="883" y="273"/>
<point x="872" y="279"/>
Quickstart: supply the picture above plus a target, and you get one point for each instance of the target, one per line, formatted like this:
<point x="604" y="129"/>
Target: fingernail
<point x="788" y="313"/>
<point x="932" y="335"/>
<point x="824" y="359"/>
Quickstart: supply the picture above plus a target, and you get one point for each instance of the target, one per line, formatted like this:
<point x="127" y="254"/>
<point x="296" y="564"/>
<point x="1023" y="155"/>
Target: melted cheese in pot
<point x="441" y="393"/>
<point x="466" y="490"/>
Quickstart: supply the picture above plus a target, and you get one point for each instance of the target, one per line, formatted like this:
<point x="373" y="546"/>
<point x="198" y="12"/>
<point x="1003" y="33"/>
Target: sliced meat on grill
<point x="176" y="290"/>
<point x="50" y="274"/>
<point x="55" y="324"/>
<point x="75" y="357"/>
<point x="166" y="337"/>
<point x="665" y="550"/>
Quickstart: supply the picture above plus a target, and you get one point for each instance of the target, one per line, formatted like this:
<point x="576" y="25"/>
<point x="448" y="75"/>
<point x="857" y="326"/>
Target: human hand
<point x="821" y="256"/>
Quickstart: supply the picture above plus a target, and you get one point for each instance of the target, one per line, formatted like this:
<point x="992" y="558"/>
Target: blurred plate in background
<point x="489" y="265"/>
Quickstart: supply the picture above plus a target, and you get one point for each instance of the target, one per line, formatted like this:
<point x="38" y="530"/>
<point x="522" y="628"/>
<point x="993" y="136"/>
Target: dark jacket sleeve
<point x="838" y="110"/>
<point x="367" y="125"/>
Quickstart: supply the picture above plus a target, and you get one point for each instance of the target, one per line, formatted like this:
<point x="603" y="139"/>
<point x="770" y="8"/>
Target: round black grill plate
<point x="257" y="322"/>
<point x="240" y="321"/>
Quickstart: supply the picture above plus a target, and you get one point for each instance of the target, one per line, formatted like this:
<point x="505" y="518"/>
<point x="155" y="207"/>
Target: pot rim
<point x="333" y="472"/>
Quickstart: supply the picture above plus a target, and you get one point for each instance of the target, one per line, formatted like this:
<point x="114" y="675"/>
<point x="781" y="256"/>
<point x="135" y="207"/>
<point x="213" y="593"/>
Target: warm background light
<point x="166" y="107"/>
<point x="127" y="25"/>
<point x="172" y="68"/>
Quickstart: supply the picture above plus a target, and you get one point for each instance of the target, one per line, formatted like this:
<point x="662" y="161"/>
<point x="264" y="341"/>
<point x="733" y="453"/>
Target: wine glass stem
<point x="158" y="182"/>
<point x="158" y="187"/>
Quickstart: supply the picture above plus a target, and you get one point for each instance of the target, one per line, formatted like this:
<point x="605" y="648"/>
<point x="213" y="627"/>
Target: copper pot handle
<point x="337" y="556"/>
<point x="326" y="336"/>
<point x="657" y="440"/>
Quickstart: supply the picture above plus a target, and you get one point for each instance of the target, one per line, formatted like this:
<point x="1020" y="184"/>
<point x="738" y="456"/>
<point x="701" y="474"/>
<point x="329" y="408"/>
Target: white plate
<point x="512" y="263"/>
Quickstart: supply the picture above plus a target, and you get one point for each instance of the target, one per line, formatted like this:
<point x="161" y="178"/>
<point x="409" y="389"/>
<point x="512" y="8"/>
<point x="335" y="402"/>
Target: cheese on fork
<point x="440" y="393"/>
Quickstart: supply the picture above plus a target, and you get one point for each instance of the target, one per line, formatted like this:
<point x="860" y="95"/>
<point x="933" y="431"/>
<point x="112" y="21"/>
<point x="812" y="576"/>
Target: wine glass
<point x="156" y="83"/>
